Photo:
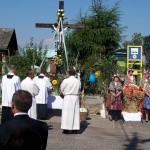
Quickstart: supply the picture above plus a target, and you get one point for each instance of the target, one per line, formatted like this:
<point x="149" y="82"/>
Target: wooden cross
<point x="60" y="14"/>
<point x="59" y="26"/>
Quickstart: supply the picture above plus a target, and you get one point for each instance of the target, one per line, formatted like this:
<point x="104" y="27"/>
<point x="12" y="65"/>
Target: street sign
<point x="135" y="53"/>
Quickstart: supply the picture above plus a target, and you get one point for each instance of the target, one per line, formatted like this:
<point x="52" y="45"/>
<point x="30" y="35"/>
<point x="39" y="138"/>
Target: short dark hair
<point x="29" y="72"/>
<point x="12" y="67"/>
<point x="43" y="71"/>
<point x="71" y="72"/>
<point x="22" y="100"/>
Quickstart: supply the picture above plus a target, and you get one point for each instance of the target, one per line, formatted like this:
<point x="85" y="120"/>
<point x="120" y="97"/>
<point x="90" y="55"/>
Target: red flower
<point x="140" y="88"/>
<point x="131" y="91"/>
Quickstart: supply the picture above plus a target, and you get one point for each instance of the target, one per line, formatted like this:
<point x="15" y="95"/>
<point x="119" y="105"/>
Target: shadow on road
<point x="134" y="140"/>
<point x="133" y="143"/>
<point x="50" y="127"/>
<point x="53" y="112"/>
<point x="83" y="125"/>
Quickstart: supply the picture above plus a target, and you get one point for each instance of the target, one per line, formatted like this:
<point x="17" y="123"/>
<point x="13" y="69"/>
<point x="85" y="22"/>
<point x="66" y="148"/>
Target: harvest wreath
<point x="133" y="95"/>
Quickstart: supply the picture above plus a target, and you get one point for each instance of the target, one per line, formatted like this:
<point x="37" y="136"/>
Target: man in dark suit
<point x="21" y="103"/>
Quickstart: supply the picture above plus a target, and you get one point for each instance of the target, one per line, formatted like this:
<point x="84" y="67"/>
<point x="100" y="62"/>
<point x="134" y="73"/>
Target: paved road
<point x="100" y="134"/>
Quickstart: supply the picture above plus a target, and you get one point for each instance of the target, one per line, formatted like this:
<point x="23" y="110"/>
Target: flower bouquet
<point x="56" y="81"/>
<point x="133" y="95"/>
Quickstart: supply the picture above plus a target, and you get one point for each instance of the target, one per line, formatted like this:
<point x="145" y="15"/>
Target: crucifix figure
<point x="59" y="28"/>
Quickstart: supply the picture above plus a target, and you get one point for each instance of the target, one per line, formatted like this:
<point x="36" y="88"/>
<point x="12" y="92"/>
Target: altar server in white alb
<point x="70" y="88"/>
<point x="44" y="85"/>
<point x="10" y="84"/>
<point x="28" y="85"/>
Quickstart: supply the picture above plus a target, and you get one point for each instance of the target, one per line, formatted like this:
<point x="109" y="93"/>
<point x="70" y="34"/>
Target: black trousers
<point x="115" y="113"/>
<point x="41" y="111"/>
<point x="6" y="114"/>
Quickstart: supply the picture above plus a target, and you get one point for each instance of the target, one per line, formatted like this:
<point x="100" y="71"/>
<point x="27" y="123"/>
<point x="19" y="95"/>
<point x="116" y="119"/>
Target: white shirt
<point x="44" y="85"/>
<point x="70" y="86"/>
<point x="9" y="87"/>
<point x="28" y="85"/>
<point x="20" y="113"/>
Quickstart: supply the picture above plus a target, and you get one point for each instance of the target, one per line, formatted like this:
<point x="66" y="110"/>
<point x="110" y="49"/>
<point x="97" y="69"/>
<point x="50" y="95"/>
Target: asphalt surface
<point x="98" y="134"/>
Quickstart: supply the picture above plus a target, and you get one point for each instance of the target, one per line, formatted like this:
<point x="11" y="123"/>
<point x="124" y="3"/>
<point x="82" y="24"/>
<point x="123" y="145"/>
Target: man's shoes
<point x="74" y="131"/>
<point x="65" y="132"/>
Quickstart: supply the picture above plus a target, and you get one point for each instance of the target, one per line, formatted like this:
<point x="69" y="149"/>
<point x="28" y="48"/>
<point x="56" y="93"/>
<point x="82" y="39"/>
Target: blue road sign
<point x="134" y="53"/>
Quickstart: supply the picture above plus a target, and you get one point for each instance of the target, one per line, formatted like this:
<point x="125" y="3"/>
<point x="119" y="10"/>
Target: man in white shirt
<point x="10" y="84"/>
<point x="70" y="88"/>
<point x="28" y="85"/>
<point x="44" y="85"/>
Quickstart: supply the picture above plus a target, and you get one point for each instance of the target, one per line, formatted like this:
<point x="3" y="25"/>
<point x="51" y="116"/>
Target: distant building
<point x="8" y="44"/>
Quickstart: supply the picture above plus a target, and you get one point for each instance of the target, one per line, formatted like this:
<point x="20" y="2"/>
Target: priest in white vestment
<point x="44" y="85"/>
<point x="70" y="88"/>
<point x="28" y="85"/>
<point x="10" y="84"/>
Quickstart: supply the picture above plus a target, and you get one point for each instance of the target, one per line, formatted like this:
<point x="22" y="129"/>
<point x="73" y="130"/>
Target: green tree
<point x="29" y="56"/>
<point x="126" y="43"/>
<point x="90" y="47"/>
<point x="137" y="39"/>
<point x="102" y="32"/>
<point x="146" y="49"/>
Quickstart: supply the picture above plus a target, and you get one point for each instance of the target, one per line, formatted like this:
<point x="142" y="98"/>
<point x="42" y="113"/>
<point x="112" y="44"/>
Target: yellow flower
<point x="54" y="82"/>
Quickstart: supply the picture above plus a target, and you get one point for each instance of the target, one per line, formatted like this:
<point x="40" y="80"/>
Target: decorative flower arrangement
<point x="133" y="95"/>
<point x="132" y="90"/>
<point x="58" y="60"/>
<point x="83" y="110"/>
<point x="56" y="80"/>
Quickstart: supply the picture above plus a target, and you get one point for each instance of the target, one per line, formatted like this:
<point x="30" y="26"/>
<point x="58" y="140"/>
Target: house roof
<point x="8" y="39"/>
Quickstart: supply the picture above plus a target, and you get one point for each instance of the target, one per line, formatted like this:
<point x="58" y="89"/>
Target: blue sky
<point x="23" y="14"/>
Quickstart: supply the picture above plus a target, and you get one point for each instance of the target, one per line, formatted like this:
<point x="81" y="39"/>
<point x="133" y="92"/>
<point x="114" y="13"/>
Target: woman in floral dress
<point x="146" y="105"/>
<point x="115" y="106"/>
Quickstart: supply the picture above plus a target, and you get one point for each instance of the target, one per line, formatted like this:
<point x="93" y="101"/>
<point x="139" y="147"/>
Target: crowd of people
<point x="38" y="87"/>
<point x="25" y="102"/>
<point x="115" y="104"/>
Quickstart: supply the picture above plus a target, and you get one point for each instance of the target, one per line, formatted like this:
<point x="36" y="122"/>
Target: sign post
<point x="134" y="59"/>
